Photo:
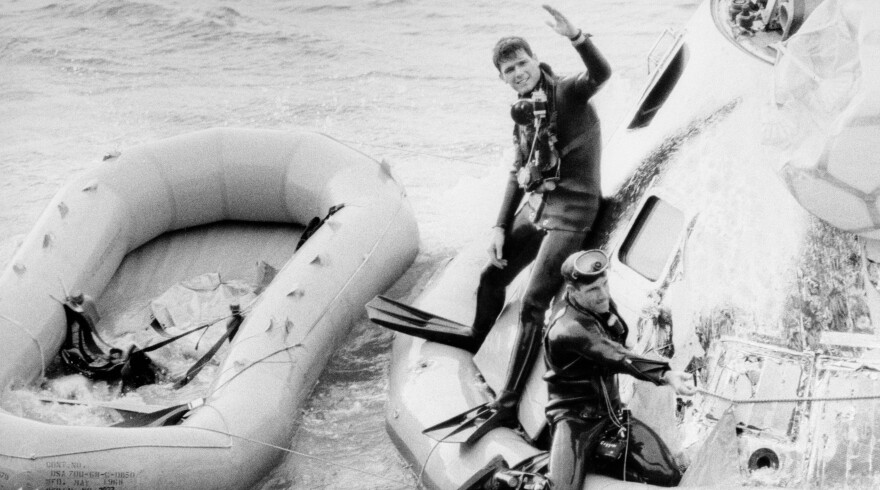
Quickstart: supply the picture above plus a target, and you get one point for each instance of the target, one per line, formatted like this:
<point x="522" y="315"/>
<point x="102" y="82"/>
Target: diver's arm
<point x="596" y="347"/>
<point x="598" y="69"/>
<point x="513" y="194"/>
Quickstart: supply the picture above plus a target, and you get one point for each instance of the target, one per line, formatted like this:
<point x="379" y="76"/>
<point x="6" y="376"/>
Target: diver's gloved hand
<point x="680" y="381"/>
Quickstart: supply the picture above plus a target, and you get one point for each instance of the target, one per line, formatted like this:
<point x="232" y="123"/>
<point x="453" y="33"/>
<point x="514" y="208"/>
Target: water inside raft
<point x="189" y="276"/>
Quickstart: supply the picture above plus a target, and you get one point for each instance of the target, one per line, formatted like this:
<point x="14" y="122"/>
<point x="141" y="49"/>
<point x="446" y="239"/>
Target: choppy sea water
<point x="408" y="81"/>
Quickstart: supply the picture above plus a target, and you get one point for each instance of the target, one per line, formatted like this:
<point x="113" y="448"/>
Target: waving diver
<point x="558" y="148"/>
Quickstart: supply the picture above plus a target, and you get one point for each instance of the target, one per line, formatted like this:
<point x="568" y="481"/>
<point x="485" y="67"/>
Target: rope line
<point x="309" y="456"/>
<point x="425" y="464"/>
<point x="747" y="401"/>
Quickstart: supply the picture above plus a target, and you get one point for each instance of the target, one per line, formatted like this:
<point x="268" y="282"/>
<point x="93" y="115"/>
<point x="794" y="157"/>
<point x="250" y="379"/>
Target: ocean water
<point x="407" y="81"/>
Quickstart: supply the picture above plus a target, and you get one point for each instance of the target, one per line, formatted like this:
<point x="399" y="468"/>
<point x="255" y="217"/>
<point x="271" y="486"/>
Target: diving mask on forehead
<point x="585" y="266"/>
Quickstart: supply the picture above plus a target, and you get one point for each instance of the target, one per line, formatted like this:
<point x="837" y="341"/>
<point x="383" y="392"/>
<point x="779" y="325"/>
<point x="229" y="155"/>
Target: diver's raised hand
<point x="561" y="25"/>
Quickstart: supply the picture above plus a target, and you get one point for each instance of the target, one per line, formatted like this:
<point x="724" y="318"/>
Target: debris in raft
<point x="86" y="353"/>
<point x="176" y="314"/>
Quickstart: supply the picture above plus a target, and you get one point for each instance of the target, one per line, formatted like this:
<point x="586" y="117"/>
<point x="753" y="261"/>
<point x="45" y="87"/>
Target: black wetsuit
<point x="86" y="353"/>
<point x="548" y="232"/>
<point x="583" y="352"/>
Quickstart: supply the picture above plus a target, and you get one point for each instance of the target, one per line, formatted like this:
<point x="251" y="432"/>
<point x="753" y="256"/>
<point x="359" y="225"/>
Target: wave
<point x="105" y="10"/>
<point x="388" y="3"/>
<point x="415" y="74"/>
<point x="327" y="8"/>
<point x="111" y="15"/>
<point x="352" y="5"/>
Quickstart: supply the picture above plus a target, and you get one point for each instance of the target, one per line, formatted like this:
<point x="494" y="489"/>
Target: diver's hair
<point x="507" y="47"/>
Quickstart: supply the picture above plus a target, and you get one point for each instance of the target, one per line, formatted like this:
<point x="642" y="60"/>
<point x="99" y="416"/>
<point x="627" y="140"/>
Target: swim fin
<point x="159" y="418"/>
<point x="469" y="426"/>
<point x="135" y="414"/>
<point x="407" y="319"/>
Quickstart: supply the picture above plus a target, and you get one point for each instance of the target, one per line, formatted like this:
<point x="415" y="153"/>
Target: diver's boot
<point x="491" y="293"/>
<point x="505" y="404"/>
<point x="528" y="344"/>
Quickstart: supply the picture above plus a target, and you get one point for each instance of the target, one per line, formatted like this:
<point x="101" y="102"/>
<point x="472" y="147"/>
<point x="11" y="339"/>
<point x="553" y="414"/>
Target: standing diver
<point x="557" y="154"/>
<point x="558" y="147"/>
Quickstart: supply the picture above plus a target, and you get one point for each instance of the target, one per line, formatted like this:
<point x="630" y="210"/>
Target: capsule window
<point x="651" y="241"/>
<point x="659" y="89"/>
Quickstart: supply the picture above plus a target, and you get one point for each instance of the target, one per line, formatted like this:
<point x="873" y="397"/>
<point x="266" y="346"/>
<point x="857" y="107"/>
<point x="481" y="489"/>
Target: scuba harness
<point x="539" y="151"/>
<point x="538" y="162"/>
<point x="536" y="121"/>
<point x="85" y="352"/>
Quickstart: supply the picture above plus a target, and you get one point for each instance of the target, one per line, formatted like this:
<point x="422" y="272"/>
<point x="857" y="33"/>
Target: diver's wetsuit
<point x="584" y="351"/>
<point x="549" y="232"/>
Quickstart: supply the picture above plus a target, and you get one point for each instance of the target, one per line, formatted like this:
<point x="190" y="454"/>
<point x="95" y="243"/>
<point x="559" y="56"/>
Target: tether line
<point x="425" y="465"/>
<point x="747" y="401"/>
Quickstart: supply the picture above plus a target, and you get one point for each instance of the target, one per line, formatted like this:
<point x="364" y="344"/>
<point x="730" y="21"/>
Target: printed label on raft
<point x="63" y="475"/>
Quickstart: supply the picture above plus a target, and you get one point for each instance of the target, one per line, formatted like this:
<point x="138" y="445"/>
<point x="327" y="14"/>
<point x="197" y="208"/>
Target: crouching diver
<point x="583" y="351"/>
<point x="558" y="146"/>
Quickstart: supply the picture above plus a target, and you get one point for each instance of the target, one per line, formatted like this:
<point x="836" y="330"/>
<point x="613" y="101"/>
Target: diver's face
<point x="521" y="72"/>
<point x="594" y="296"/>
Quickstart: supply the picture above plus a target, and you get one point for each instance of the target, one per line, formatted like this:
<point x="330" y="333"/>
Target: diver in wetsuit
<point x="584" y="350"/>
<point x="558" y="146"/>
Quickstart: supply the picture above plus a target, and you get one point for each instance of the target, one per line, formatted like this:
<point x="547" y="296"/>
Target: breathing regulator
<point x="540" y="172"/>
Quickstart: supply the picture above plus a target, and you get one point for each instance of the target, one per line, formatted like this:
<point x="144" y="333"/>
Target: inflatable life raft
<point x="240" y="175"/>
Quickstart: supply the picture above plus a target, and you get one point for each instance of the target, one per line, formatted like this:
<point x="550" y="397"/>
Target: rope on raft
<point x="745" y="401"/>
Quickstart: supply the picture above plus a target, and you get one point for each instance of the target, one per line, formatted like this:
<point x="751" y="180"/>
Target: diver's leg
<point x="571" y="451"/>
<point x="520" y="248"/>
<point x="649" y="460"/>
<point x="544" y="283"/>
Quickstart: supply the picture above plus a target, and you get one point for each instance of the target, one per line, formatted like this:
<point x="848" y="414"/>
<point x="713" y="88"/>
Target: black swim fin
<point x="407" y="319"/>
<point x="469" y="426"/>
<point x="159" y="418"/>
<point x="135" y="414"/>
